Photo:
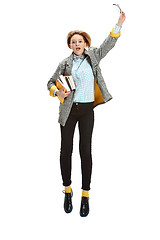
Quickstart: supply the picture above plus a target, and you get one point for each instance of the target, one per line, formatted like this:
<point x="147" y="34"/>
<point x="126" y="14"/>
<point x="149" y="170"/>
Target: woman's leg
<point x="86" y="124"/>
<point x="67" y="133"/>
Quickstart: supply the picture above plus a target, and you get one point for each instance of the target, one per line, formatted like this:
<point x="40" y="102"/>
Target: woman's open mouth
<point x="78" y="48"/>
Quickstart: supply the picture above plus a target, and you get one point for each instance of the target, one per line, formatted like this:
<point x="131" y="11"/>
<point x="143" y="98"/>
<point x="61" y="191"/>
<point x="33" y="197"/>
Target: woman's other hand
<point x="61" y="93"/>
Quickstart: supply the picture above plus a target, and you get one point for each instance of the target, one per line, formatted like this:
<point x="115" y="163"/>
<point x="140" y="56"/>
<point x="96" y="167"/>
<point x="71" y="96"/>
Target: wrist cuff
<point x="115" y="34"/>
<point x="52" y="89"/>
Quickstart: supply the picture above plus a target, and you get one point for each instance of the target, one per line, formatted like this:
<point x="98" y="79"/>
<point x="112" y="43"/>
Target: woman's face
<point x="77" y="44"/>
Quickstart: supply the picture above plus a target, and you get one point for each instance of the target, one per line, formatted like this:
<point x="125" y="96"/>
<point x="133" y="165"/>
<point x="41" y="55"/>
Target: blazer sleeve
<point x="51" y="83"/>
<point x="106" y="46"/>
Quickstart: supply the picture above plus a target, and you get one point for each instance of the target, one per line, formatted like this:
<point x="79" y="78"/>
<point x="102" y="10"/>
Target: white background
<point x="124" y="196"/>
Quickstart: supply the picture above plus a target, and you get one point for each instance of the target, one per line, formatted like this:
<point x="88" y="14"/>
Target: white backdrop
<point x="124" y="196"/>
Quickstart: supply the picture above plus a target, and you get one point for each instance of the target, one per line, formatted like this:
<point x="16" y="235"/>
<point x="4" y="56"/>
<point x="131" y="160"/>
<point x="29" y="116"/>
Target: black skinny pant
<point x="83" y="114"/>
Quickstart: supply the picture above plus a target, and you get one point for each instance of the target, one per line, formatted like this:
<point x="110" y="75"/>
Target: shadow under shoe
<point x="84" y="210"/>
<point x="68" y="202"/>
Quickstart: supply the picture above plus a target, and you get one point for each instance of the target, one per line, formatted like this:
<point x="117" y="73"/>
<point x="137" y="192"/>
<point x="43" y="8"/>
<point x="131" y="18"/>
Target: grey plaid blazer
<point x="65" y="68"/>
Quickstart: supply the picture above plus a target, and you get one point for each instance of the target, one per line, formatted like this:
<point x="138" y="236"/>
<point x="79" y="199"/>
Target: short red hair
<point x="85" y="36"/>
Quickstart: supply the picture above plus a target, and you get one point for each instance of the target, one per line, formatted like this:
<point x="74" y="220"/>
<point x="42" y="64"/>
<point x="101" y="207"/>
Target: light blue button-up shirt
<point x="83" y="77"/>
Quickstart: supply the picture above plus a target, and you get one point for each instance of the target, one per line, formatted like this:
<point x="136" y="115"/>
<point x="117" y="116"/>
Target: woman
<point x="78" y="106"/>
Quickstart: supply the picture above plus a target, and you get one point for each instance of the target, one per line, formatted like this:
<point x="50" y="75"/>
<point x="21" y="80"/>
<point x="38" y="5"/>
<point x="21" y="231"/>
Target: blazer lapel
<point x="69" y="64"/>
<point x="92" y="61"/>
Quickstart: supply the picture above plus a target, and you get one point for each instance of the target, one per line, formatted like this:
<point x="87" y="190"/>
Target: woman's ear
<point x="70" y="46"/>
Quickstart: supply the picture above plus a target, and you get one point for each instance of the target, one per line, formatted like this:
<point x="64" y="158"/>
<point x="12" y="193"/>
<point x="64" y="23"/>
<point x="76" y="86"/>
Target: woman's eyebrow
<point x="77" y="39"/>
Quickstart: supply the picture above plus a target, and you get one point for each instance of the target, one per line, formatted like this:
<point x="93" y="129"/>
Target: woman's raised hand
<point x="121" y="19"/>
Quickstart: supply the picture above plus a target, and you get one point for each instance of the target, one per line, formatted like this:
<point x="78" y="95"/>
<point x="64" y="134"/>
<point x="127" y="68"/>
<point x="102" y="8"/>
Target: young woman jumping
<point x="78" y="106"/>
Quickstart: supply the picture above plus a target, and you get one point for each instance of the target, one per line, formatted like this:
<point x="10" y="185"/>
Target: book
<point x="65" y="82"/>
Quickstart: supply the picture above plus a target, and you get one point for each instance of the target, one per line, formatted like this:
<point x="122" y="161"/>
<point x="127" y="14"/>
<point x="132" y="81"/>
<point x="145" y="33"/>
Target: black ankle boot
<point x="84" y="210"/>
<point x="68" y="202"/>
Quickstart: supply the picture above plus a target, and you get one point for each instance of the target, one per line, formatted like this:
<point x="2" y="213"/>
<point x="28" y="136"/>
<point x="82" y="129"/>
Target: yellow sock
<point x="68" y="189"/>
<point x="85" y="193"/>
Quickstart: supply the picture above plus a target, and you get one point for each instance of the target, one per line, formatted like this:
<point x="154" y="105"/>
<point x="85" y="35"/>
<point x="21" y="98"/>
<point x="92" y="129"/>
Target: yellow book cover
<point x="60" y="86"/>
